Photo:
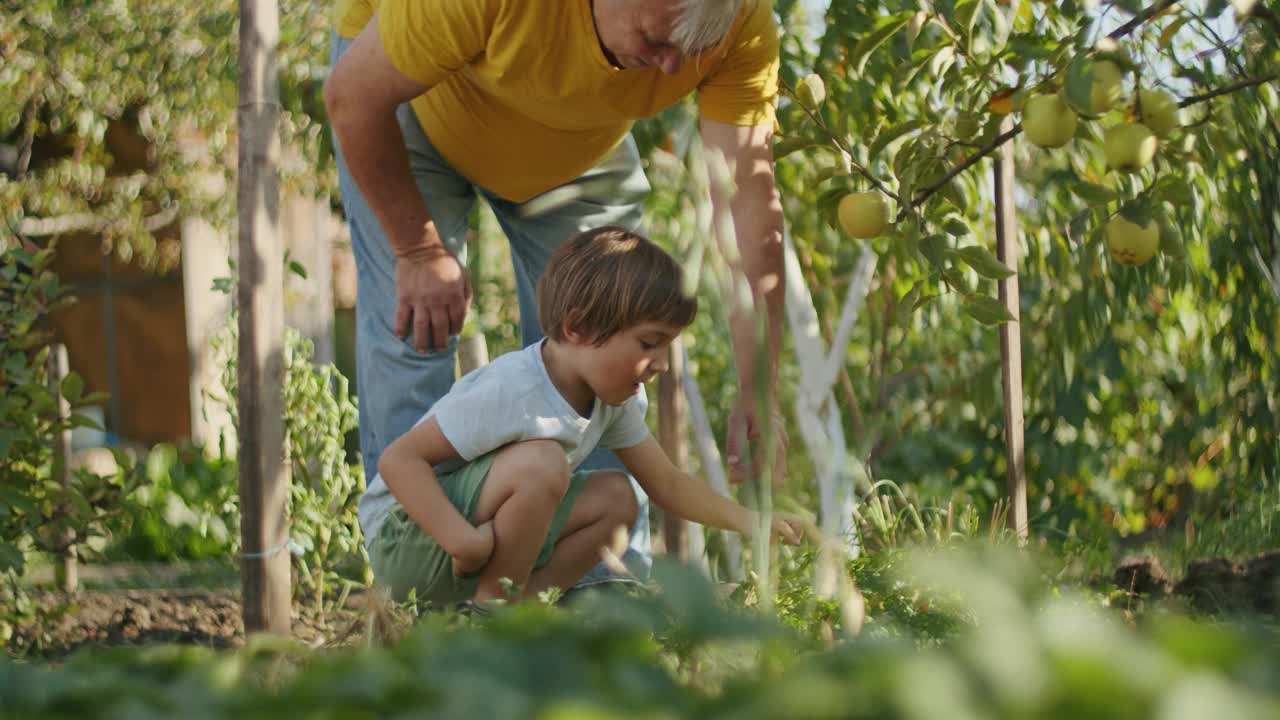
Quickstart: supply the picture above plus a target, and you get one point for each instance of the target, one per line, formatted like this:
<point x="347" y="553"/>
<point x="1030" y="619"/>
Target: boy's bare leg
<point x="604" y="505"/>
<point x="525" y="485"/>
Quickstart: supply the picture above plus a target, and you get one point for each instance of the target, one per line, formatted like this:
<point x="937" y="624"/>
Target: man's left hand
<point x="745" y="433"/>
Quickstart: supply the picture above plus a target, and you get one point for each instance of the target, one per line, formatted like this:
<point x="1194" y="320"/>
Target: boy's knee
<point x="541" y="466"/>
<point x="619" y="499"/>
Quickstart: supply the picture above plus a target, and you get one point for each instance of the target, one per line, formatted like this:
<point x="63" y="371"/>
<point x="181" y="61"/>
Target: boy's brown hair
<point x="607" y="279"/>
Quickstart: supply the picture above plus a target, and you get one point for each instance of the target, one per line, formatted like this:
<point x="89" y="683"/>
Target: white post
<point x="816" y="410"/>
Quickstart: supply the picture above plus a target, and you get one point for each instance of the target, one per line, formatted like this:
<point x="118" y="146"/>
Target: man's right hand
<point x="432" y="295"/>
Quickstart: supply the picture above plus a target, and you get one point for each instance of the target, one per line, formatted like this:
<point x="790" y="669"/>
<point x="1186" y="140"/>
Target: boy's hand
<point x="476" y="553"/>
<point x="789" y="528"/>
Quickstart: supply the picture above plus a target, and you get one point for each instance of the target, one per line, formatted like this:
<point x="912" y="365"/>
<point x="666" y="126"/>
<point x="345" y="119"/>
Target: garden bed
<point x="114" y="618"/>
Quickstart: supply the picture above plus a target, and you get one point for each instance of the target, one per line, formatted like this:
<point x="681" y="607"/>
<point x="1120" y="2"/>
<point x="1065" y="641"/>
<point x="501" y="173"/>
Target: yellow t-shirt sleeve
<point x="740" y="91"/>
<point x="427" y="40"/>
<point x="350" y="16"/>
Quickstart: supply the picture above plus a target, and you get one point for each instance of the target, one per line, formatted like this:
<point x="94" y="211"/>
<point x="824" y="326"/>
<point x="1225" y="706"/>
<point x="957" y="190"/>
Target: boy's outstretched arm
<point x="406" y="468"/>
<point x="677" y="492"/>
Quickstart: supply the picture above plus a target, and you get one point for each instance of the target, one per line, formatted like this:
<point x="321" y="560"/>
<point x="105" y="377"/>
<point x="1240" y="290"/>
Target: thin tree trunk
<point x="264" y="470"/>
<point x="66" y="572"/>
<point x="473" y="352"/>
<point x="1011" y="337"/>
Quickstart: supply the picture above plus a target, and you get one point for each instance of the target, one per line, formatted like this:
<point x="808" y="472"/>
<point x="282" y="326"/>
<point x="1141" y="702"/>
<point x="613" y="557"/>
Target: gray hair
<point x="702" y="24"/>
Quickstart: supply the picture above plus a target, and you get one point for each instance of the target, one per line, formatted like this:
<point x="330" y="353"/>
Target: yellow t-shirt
<point x="522" y="98"/>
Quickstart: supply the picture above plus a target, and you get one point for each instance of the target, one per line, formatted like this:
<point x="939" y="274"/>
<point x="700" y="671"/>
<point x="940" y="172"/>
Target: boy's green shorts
<point x="404" y="558"/>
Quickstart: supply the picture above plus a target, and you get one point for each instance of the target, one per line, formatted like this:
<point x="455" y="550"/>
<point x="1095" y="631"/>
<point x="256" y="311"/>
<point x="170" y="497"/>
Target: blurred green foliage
<point x="185" y="509"/>
<point x="1027" y="651"/>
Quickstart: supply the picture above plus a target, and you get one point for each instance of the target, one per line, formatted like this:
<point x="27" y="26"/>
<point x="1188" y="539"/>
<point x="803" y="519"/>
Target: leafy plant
<point x="38" y="512"/>
<point x="183" y="508"/>
<point x="318" y="412"/>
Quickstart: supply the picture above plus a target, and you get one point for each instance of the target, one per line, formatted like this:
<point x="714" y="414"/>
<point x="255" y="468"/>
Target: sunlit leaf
<point x="884" y="29"/>
<point x="986" y="310"/>
<point x="984" y="262"/>
<point x="72" y="387"/>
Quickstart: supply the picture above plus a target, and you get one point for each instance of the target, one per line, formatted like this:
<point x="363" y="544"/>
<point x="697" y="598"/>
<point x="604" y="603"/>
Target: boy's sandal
<point x="473" y="608"/>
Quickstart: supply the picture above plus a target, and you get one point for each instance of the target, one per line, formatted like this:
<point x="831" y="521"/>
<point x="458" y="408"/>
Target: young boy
<point x="484" y="488"/>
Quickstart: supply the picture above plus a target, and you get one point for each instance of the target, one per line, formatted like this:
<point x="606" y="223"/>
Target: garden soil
<point x="114" y="618"/>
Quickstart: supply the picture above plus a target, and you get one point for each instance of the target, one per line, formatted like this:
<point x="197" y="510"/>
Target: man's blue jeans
<point x="395" y="383"/>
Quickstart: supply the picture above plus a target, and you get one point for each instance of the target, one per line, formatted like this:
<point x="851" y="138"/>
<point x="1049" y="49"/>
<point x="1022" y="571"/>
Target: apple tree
<point x="1147" y="207"/>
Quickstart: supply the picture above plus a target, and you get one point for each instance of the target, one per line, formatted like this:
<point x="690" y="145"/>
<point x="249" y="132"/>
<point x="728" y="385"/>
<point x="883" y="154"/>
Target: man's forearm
<point x="746" y="352"/>
<point x="375" y="155"/>
<point x="759" y="230"/>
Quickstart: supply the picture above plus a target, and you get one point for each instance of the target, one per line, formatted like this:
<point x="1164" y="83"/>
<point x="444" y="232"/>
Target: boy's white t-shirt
<point x="512" y="399"/>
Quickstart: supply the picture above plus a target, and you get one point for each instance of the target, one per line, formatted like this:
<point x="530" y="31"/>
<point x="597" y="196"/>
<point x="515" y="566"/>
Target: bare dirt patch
<point x="1210" y="585"/>
<point x="114" y="618"/>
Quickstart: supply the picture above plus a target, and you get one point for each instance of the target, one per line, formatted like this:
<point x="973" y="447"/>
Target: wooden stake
<point x="473" y="352"/>
<point x="66" y="572"/>
<point x="1011" y="336"/>
<point x="264" y="471"/>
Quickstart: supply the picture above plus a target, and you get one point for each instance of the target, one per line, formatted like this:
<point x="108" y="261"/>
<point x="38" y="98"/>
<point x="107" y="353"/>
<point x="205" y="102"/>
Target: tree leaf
<point x="888" y="135"/>
<point x="966" y="12"/>
<point x="1138" y="213"/>
<point x="934" y="248"/>
<point x="983" y="262"/>
<point x="1093" y="193"/>
<point x="78" y="420"/>
<point x="907" y="304"/>
<point x="786" y="146"/>
<point x="11" y="559"/>
<point x="1078" y="87"/>
<point x="1170" y="30"/>
<point x="1172" y="189"/>
<point x="956" y="227"/>
<point x="885" y="28"/>
<point x="72" y="387"/>
<point x="986" y="310"/>
<point x="1216" y="8"/>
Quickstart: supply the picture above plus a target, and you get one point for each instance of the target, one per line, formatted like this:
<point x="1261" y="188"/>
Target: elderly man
<point x="437" y="102"/>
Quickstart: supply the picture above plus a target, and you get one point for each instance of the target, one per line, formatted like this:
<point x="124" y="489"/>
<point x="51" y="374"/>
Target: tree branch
<point x="1003" y="138"/>
<point x="1226" y="90"/>
<point x="1140" y="18"/>
<point x="28" y="139"/>
<point x="822" y="125"/>
<point x="88" y="222"/>
<point x="941" y="21"/>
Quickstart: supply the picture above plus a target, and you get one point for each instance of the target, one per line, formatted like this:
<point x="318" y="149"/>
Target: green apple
<point x="1108" y="86"/>
<point x="863" y="215"/>
<point x="1129" y="147"/>
<point x="1131" y="243"/>
<point x="1047" y="121"/>
<point x="1160" y="111"/>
